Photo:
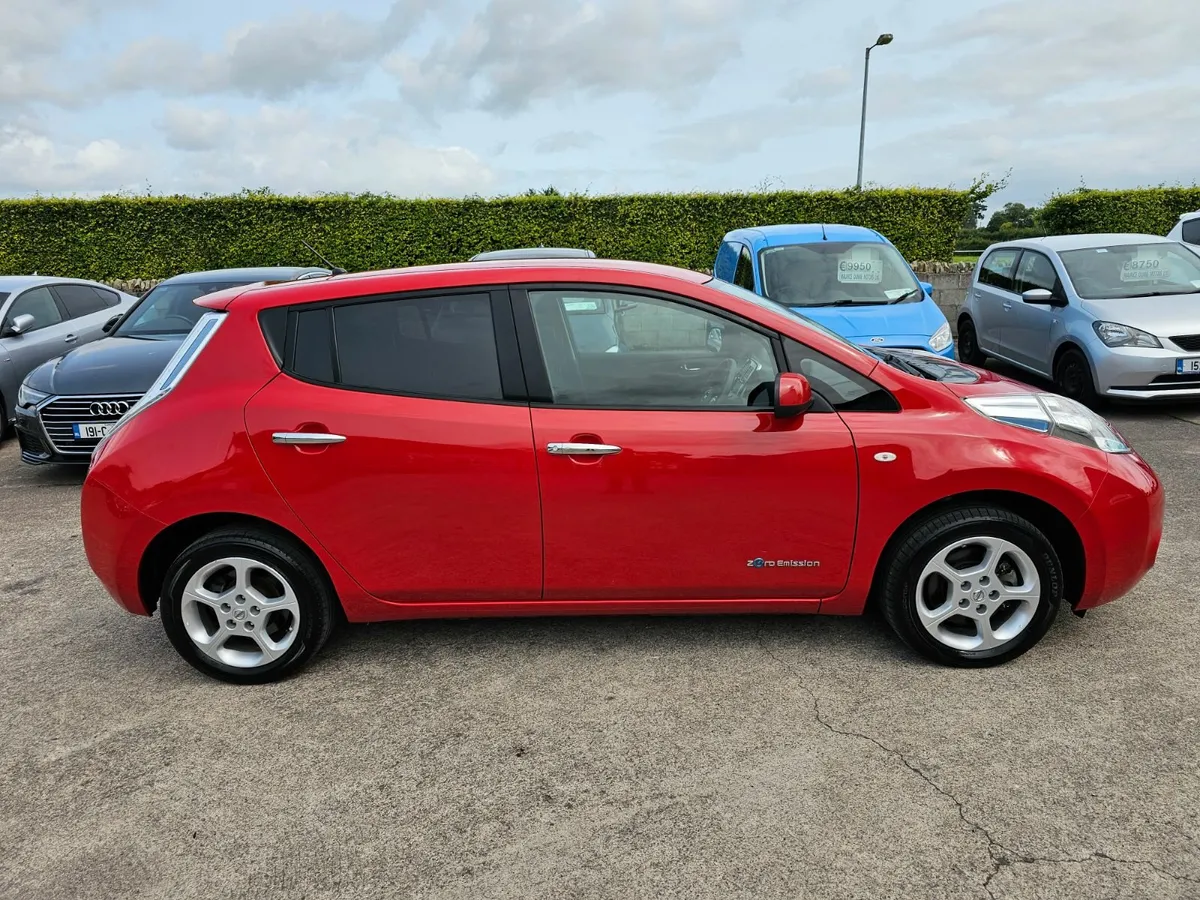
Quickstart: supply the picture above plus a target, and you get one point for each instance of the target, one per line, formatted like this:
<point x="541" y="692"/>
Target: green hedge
<point x="151" y="237"/>
<point x="1141" y="211"/>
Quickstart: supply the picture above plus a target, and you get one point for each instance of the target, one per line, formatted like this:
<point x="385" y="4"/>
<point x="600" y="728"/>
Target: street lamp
<point x="880" y="41"/>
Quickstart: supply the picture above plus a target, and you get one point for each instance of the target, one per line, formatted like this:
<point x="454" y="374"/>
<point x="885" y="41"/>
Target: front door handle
<point x="569" y="449"/>
<point x="70" y="339"/>
<point x="1007" y="305"/>
<point x="306" y="438"/>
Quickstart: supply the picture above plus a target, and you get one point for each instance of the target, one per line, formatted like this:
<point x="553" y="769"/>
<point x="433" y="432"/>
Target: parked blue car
<point x="849" y="279"/>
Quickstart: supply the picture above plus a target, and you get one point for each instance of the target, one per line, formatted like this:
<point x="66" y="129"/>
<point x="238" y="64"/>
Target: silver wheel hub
<point x="978" y="593"/>
<point x="240" y="612"/>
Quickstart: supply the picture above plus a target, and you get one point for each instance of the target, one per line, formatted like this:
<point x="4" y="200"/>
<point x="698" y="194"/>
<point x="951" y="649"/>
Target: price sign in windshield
<point x="1146" y="266"/>
<point x="858" y="267"/>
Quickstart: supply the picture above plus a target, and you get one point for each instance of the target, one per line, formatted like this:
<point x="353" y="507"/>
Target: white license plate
<point x="1189" y="366"/>
<point x="92" y="432"/>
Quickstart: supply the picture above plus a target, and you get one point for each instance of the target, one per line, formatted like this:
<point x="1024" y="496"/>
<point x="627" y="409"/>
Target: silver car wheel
<point x="240" y="612"/>
<point x="978" y="593"/>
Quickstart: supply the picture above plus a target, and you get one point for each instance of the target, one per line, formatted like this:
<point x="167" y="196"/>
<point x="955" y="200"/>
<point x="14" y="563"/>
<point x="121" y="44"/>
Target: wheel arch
<point x="1059" y="530"/>
<point x="162" y="550"/>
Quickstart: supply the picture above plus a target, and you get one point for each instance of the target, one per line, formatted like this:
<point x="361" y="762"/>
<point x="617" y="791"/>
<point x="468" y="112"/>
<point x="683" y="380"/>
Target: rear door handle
<point x="70" y="339"/>
<point x="306" y="438"/>
<point x="569" y="449"/>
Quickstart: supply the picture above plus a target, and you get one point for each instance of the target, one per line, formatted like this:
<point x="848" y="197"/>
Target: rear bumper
<point x="115" y="537"/>
<point x="1124" y="529"/>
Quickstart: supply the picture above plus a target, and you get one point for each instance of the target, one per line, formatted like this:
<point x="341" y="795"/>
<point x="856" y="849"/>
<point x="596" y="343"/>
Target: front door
<point x="50" y="335"/>
<point x="994" y="295"/>
<point x="402" y="453"/>
<point x="1030" y="328"/>
<point x="664" y="475"/>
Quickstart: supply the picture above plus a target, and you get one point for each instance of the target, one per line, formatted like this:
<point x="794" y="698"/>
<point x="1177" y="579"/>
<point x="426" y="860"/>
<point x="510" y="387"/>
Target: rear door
<point x="87" y="309"/>
<point x="664" y="474"/>
<point x="408" y="449"/>
<point x="994" y="295"/>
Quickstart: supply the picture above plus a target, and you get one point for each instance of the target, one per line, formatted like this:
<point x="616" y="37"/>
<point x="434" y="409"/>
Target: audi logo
<point x="109" y="407"/>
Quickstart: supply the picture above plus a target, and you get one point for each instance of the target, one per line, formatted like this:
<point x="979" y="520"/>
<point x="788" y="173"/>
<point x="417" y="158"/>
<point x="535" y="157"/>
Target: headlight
<point x="1116" y="335"/>
<point x="1054" y="415"/>
<point x="27" y="396"/>
<point x="941" y="338"/>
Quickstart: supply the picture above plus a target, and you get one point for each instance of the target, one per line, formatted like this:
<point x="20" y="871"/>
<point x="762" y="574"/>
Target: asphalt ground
<point x="593" y="758"/>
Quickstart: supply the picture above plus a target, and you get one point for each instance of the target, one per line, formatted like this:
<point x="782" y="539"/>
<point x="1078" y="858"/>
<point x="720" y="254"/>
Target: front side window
<point x="1036" y="271"/>
<point x="744" y="276"/>
<point x="1191" y="231"/>
<point x="1133" y="270"/>
<point x="838" y="273"/>
<point x="669" y="355"/>
<point x="169" y="309"/>
<point x="39" y="303"/>
<point x="441" y="347"/>
<point x="842" y="387"/>
<point x="998" y="269"/>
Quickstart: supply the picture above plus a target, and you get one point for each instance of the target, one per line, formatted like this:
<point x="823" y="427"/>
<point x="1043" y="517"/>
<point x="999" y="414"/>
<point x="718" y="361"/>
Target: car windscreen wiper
<point x="1170" y="293"/>
<point x="857" y="303"/>
<point x="906" y="295"/>
<point x="903" y="364"/>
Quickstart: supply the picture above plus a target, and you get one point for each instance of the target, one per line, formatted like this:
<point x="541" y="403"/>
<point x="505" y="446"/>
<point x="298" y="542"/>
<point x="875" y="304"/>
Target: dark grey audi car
<point x="66" y="405"/>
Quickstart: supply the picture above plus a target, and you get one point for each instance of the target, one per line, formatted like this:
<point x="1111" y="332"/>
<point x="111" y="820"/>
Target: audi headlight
<point x="1053" y="415"/>
<point x="1116" y="335"/>
<point x="27" y="396"/>
<point x="941" y="338"/>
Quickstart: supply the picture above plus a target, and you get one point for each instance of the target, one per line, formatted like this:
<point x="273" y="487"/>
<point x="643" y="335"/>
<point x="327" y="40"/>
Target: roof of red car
<point x="415" y="278"/>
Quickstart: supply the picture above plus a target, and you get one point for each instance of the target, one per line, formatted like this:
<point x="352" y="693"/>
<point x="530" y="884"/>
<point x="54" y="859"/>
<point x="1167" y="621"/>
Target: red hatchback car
<point x="582" y="437"/>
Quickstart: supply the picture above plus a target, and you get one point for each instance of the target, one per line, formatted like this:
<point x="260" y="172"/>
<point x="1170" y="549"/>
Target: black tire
<point x="1073" y="378"/>
<point x="314" y="597"/>
<point x="968" y="344"/>
<point x="901" y="578"/>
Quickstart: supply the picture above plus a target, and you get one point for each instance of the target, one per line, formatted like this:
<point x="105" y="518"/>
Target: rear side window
<point x="107" y="297"/>
<point x="744" y="276"/>
<point x="427" y="346"/>
<point x="842" y="387"/>
<point x="79" y="299"/>
<point x="997" y="269"/>
<point x="1191" y="231"/>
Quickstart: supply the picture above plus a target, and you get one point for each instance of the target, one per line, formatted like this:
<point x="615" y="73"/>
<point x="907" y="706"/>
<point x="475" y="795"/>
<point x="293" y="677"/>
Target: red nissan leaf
<point x="593" y="437"/>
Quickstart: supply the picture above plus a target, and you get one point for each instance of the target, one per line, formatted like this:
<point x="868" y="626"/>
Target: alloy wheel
<point x="240" y="612"/>
<point x="978" y="593"/>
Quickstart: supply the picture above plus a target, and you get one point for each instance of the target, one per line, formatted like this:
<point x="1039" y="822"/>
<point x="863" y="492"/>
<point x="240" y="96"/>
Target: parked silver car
<point x="41" y="318"/>
<point x="1103" y="315"/>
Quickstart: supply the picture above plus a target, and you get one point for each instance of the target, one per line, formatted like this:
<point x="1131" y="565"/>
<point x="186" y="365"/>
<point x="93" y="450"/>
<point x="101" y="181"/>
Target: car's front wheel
<point x="246" y="606"/>
<point x="974" y="586"/>
<point x="1073" y="378"/>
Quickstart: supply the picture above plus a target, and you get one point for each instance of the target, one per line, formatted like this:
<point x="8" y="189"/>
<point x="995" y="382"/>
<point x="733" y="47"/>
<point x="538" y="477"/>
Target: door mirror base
<point x="793" y="395"/>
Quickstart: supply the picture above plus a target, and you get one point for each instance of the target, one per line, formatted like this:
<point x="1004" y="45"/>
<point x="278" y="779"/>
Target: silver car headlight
<point x="1053" y="415"/>
<point x="941" y="338"/>
<point x="27" y="396"/>
<point x="1114" y="334"/>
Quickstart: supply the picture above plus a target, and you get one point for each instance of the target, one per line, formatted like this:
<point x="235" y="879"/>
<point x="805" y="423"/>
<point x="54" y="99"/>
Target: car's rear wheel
<point x="974" y="586"/>
<point x="1073" y="378"/>
<point x="246" y="606"/>
<point x="968" y="344"/>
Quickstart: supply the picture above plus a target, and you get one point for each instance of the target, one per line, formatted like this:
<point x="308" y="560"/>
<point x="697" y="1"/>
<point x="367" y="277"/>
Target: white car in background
<point x="1187" y="229"/>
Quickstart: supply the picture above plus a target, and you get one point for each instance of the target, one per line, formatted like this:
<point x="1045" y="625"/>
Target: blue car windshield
<point x="768" y="303"/>
<point x="838" y="273"/>
<point x="169" y="309"/>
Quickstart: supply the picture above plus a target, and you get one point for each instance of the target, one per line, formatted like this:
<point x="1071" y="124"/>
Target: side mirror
<point x="793" y="395"/>
<point x="21" y="324"/>
<point x="1039" y="296"/>
<point x="111" y="324"/>
<point x="926" y="287"/>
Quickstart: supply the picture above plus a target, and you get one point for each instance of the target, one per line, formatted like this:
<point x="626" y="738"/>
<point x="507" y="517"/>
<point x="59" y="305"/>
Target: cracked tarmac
<point x="629" y="757"/>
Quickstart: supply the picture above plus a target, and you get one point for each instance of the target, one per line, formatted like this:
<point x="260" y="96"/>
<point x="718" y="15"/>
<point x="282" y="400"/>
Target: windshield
<point x="838" y="273"/>
<point x="767" y="303"/>
<point x="1133" y="270"/>
<point x="169" y="309"/>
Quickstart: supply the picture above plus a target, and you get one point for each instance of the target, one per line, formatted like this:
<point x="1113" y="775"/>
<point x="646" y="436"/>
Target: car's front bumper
<point x="1142" y="373"/>
<point x="36" y="447"/>
<point x="47" y="432"/>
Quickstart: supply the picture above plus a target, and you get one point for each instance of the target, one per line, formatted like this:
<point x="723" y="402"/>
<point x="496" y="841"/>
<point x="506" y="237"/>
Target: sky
<point x="450" y="98"/>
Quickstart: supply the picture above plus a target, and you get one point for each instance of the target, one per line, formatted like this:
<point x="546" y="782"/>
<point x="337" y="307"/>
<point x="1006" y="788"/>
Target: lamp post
<point x="880" y="41"/>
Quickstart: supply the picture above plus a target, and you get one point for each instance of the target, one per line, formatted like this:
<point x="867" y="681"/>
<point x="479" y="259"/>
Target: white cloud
<point x="189" y="128"/>
<point x="560" y="141"/>
<point x="31" y="161"/>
